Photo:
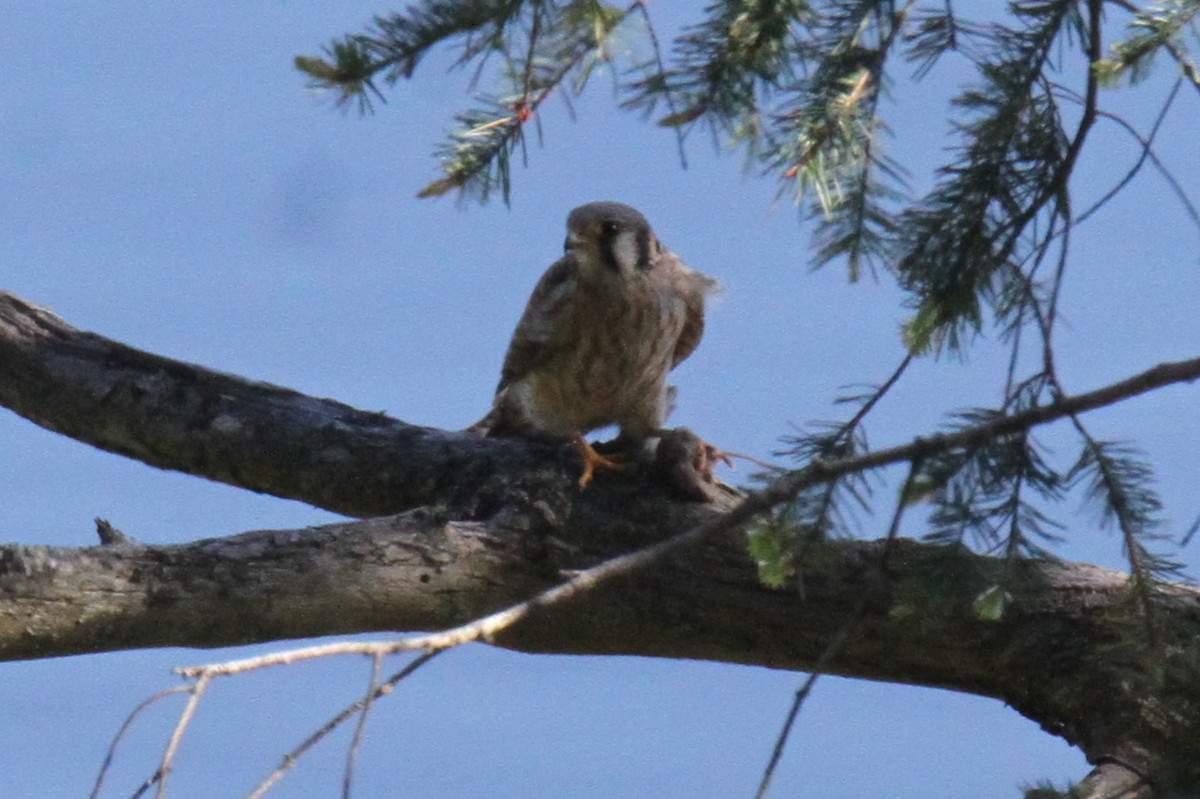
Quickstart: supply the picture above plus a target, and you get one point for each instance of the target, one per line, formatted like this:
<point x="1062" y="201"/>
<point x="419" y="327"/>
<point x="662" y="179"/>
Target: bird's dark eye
<point x="608" y="229"/>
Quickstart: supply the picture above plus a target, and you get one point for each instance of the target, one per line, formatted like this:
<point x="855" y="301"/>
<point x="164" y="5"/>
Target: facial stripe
<point x="608" y="241"/>
<point x="643" y="249"/>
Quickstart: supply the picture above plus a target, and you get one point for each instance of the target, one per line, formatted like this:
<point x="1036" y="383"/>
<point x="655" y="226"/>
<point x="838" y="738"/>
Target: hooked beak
<point x="573" y="241"/>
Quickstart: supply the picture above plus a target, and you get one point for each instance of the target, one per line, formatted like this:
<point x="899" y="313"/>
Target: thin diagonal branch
<point x="831" y="651"/>
<point x="185" y="718"/>
<point x="120" y="733"/>
<point x="361" y="726"/>
<point x="291" y="758"/>
<point x="1148" y="153"/>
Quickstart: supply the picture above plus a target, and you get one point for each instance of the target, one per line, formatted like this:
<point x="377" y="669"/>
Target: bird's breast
<point x="609" y="366"/>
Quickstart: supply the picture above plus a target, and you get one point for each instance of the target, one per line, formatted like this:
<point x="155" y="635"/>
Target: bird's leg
<point x="593" y="460"/>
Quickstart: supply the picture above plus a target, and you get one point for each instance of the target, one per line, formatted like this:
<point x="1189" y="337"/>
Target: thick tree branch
<point x="502" y="520"/>
<point x="417" y="571"/>
<point x="275" y="440"/>
<point x="250" y="434"/>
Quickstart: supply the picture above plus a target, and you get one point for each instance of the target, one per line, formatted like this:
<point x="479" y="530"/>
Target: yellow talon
<point x="593" y="460"/>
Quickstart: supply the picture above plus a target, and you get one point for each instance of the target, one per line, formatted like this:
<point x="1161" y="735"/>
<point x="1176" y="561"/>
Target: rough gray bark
<point x="249" y="434"/>
<point x="482" y="524"/>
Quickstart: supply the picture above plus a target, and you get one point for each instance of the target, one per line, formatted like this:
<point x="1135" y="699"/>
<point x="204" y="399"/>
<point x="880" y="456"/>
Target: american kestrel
<point x="603" y="327"/>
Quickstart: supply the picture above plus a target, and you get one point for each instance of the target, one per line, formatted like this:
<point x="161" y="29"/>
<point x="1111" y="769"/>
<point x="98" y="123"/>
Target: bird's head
<point x="611" y="238"/>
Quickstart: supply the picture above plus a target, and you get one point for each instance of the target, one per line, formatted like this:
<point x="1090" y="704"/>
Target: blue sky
<point x="166" y="180"/>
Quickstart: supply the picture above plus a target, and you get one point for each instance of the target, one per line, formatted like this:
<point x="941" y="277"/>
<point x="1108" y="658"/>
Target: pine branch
<point x="394" y="45"/>
<point x="538" y="42"/>
<point x="780" y="538"/>
<point x="978" y="494"/>
<point x="477" y="159"/>
<point x="725" y="65"/>
<point x="1153" y="29"/>
<point x="970" y="437"/>
<point x="934" y="33"/>
<point x="1016" y="158"/>
<point x="1121" y="483"/>
<point x="400" y="41"/>
<point x="827" y="143"/>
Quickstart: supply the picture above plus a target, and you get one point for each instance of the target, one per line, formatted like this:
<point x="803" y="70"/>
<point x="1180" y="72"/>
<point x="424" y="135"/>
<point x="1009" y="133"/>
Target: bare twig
<point x="133" y="714"/>
<point x="1094" y="50"/>
<point x="903" y="500"/>
<point x="291" y="758"/>
<point x="1147" y="144"/>
<point x="147" y="785"/>
<point x="839" y="640"/>
<point x="895" y="376"/>
<point x="1172" y="182"/>
<point x="367" y="702"/>
<point x="1186" y="65"/>
<point x="168" y="758"/>
<point x="831" y="650"/>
